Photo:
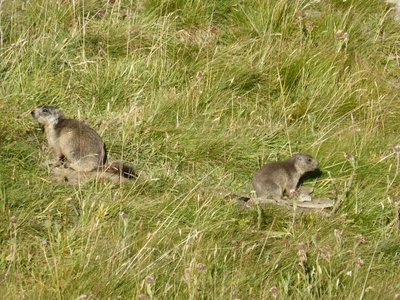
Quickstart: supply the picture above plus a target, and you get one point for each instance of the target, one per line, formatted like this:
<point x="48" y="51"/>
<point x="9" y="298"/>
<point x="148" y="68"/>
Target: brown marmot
<point x="76" y="143"/>
<point x="276" y="178"/>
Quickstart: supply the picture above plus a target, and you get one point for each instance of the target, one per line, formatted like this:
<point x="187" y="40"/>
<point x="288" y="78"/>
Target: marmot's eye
<point x="309" y="159"/>
<point x="45" y="110"/>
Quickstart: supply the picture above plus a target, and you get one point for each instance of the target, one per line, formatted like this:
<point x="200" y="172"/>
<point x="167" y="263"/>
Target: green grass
<point x="198" y="95"/>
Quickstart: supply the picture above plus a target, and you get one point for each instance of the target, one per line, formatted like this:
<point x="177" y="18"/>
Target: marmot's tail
<point x="121" y="169"/>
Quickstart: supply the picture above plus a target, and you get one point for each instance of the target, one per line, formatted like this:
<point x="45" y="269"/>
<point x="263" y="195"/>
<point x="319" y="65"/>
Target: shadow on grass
<point x="310" y="176"/>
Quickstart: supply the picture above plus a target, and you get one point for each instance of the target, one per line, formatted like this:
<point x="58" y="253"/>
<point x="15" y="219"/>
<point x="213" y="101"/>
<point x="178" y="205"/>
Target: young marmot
<point x="76" y="143"/>
<point x="276" y="178"/>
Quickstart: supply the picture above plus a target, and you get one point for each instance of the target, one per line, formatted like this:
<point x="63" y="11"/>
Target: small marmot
<point x="276" y="178"/>
<point x="76" y="143"/>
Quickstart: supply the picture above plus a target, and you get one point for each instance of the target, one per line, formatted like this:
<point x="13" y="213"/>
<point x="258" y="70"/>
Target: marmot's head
<point x="304" y="163"/>
<point x="47" y="114"/>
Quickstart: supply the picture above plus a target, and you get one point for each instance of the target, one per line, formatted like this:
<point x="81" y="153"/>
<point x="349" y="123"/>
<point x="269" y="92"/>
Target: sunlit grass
<point x="198" y="95"/>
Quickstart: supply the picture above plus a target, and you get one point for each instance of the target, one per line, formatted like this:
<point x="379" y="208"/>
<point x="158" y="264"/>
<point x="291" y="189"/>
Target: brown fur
<point x="78" y="144"/>
<point x="276" y="178"/>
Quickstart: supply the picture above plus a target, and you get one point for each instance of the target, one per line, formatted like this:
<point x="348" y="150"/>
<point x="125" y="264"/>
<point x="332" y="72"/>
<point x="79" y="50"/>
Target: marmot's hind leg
<point x="83" y="165"/>
<point x="268" y="189"/>
<point x="70" y="176"/>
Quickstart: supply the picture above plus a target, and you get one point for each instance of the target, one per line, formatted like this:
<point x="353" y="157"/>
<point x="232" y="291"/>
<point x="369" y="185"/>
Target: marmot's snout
<point x="34" y="113"/>
<point x="311" y="164"/>
<point x="314" y="164"/>
<point x="305" y="163"/>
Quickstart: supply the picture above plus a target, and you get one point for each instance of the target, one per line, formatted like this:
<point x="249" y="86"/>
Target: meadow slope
<point x="198" y="95"/>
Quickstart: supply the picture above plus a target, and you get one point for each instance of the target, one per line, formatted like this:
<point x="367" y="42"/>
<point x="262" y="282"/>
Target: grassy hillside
<point x="198" y="95"/>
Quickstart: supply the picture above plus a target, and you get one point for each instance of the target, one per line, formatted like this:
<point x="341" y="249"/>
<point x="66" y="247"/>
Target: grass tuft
<point x="198" y="95"/>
